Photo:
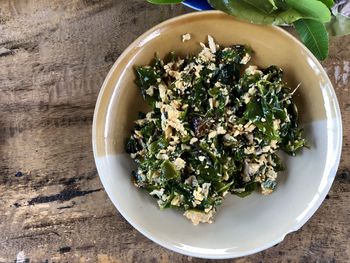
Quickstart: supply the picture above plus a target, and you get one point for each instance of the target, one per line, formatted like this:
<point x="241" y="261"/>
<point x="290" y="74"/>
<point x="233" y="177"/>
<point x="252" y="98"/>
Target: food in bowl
<point x="215" y="127"/>
<point x="301" y="188"/>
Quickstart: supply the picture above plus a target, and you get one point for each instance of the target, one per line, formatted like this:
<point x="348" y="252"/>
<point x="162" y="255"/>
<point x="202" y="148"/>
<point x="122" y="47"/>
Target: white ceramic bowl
<point x="241" y="226"/>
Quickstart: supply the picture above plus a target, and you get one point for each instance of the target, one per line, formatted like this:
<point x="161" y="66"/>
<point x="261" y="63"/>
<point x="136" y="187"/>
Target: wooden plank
<point x="54" y="56"/>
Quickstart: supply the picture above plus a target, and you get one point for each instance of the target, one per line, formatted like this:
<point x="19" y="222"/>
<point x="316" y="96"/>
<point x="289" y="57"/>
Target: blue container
<point x="198" y="4"/>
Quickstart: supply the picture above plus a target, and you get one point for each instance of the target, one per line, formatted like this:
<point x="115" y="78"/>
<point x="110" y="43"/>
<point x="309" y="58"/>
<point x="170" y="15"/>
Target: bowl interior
<point x="241" y="226"/>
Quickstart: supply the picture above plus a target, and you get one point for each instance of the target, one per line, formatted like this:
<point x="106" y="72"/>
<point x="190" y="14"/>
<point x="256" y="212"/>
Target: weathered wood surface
<point x="54" y="55"/>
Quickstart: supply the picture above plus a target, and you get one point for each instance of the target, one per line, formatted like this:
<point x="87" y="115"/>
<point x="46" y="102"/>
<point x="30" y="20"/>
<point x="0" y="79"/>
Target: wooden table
<point x="54" y="56"/>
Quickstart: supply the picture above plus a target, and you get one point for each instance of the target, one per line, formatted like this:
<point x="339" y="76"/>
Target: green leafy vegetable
<point x="263" y="5"/>
<point x="314" y="36"/>
<point x="328" y="3"/>
<point x="214" y="128"/>
<point x="279" y="12"/>
<point x="168" y="170"/>
<point x="246" y="11"/>
<point x="311" y="9"/>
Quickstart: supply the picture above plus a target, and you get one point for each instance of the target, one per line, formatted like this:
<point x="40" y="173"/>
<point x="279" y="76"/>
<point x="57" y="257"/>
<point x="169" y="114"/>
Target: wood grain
<point x="54" y="56"/>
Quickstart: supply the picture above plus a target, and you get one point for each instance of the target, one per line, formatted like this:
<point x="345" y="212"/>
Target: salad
<point x="214" y="127"/>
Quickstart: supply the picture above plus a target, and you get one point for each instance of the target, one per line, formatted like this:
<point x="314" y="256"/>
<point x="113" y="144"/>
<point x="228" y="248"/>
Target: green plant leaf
<point x="245" y="11"/>
<point x="281" y="5"/>
<point x="312" y="9"/>
<point x="314" y="35"/>
<point x="266" y="6"/>
<point x="165" y="1"/>
<point x="328" y="3"/>
<point x="339" y="26"/>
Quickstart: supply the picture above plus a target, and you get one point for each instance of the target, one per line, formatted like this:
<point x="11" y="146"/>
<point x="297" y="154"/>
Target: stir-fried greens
<point x="214" y="127"/>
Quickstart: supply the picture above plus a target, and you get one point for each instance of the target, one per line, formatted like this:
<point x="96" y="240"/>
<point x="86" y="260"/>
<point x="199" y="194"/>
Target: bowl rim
<point x="228" y="255"/>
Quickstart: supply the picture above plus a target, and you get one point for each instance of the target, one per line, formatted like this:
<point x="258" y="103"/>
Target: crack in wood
<point x="33" y="178"/>
<point x="17" y="205"/>
<point x="67" y="222"/>
<point x="35" y="235"/>
<point x="65" y="121"/>
<point x="28" y="45"/>
<point x="73" y="180"/>
<point x="65" y="195"/>
<point x="5" y="52"/>
<point x="67" y="206"/>
<point x="87" y="247"/>
<point x="19" y="174"/>
<point x="63" y="250"/>
<point x="343" y="175"/>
